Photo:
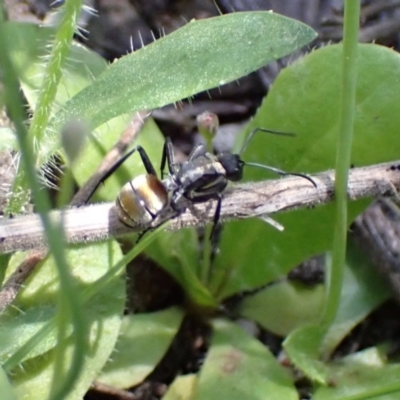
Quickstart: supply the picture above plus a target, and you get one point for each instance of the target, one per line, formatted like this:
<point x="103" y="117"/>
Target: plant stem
<point x="343" y="153"/>
<point x="207" y="124"/>
<point x="54" y="230"/>
<point x="53" y="73"/>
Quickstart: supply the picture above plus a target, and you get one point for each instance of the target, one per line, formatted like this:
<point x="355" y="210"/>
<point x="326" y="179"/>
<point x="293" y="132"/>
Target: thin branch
<point x="15" y="281"/>
<point x="99" y="222"/>
<point x="373" y="9"/>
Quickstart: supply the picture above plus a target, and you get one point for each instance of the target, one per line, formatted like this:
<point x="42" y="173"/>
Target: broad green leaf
<point x="238" y="365"/>
<point x="364" y="289"/>
<point x="305" y="100"/>
<point x="15" y="330"/>
<point x="179" y="254"/>
<point x="302" y="347"/>
<point x="183" y="387"/>
<point x="363" y="375"/>
<point x="143" y="341"/>
<point x="190" y="60"/>
<point x="6" y="389"/>
<point x="284" y="306"/>
<point x="102" y="312"/>
<point x="201" y="55"/>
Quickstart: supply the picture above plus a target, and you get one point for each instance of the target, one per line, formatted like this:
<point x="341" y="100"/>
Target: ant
<point x="204" y="176"/>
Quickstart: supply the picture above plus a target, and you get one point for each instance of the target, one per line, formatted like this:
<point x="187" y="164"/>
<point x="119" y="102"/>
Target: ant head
<point x="233" y="166"/>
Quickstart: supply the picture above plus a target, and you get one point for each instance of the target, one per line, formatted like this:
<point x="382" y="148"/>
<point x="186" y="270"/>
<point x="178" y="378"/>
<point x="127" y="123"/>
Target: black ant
<point x="204" y="176"/>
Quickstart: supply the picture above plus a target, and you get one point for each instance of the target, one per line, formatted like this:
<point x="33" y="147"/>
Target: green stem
<point x="44" y="106"/>
<point x="53" y="73"/>
<point x="66" y="188"/>
<point x="343" y="153"/>
<point x="54" y="230"/>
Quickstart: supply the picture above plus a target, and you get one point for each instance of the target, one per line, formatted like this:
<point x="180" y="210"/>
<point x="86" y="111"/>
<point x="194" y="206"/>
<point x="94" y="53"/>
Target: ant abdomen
<point x="141" y="200"/>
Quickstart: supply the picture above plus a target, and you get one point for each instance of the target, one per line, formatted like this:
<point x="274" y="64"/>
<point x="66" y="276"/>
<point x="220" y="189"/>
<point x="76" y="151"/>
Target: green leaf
<point x="15" y="330"/>
<point x="6" y="390"/>
<point x="284" y="306"/>
<point x="304" y="100"/>
<point x="302" y="347"/>
<point x="179" y="254"/>
<point x="143" y="341"/>
<point x="364" y="289"/>
<point x="363" y="375"/>
<point x="103" y="313"/>
<point x="201" y="55"/>
<point x="166" y="71"/>
<point x="238" y="365"/>
<point x="183" y="387"/>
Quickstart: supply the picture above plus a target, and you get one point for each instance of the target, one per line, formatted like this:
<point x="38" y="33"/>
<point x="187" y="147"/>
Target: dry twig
<point x="100" y="222"/>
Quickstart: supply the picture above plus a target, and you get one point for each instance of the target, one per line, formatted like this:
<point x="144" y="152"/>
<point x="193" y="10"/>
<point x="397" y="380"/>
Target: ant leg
<point x="200" y="149"/>
<point x="281" y="172"/>
<point x="216" y="224"/>
<point x="168" y="158"/>
<point x="145" y="160"/>
<point x="255" y="130"/>
<point x="141" y="234"/>
<point x="216" y="240"/>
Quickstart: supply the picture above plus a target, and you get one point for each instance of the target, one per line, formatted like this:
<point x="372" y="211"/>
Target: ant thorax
<point x="200" y="171"/>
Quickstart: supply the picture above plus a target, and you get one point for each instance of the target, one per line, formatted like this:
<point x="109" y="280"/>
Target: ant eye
<point x="235" y="173"/>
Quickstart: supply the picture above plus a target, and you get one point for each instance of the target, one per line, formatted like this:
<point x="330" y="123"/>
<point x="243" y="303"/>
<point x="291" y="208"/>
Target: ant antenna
<point x="254" y="131"/>
<point x="280" y="172"/>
